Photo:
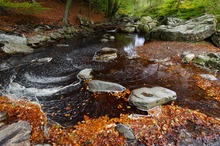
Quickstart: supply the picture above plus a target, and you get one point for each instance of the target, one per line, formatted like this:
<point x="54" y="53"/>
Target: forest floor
<point x="170" y="128"/>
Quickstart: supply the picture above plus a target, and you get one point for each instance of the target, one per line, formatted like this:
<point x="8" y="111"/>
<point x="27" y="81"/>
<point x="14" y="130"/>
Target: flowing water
<point x="49" y="77"/>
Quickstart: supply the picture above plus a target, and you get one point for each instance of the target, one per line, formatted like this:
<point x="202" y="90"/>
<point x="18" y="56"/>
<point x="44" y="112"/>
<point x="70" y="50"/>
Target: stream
<point x="49" y="78"/>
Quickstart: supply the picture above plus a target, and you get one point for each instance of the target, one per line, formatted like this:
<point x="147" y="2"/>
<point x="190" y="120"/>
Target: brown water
<point x="49" y="78"/>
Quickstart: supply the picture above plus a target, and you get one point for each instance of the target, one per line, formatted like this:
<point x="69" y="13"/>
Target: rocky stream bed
<point x="100" y="90"/>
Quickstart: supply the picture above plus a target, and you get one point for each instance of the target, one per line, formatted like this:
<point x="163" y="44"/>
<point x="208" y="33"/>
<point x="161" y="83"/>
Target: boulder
<point x="146" y="98"/>
<point x="106" y="54"/>
<point x="102" y="86"/>
<point x="13" y="48"/>
<point x="196" y="29"/>
<point x="13" y="39"/>
<point x="216" y="39"/>
<point x="16" y="134"/>
<point x="85" y="74"/>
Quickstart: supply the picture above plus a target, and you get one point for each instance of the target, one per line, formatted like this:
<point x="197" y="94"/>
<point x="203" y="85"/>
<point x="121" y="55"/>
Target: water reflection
<point x="130" y="48"/>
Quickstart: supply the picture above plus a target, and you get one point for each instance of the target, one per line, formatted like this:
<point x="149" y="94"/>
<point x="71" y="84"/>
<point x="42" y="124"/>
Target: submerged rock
<point x="126" y="132"/>
<point x="105" y="54"/>
<point x="192" y="30"/>
<point x="147" y="98"/>
<point x="102" y="86"/>
<point x="16" y="134"/>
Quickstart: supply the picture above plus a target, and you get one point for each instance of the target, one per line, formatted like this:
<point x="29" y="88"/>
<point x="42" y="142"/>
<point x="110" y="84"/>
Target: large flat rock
<point x="196" y="29"/>
<point x="147" y="98"/>
<point x="102" y="86"/>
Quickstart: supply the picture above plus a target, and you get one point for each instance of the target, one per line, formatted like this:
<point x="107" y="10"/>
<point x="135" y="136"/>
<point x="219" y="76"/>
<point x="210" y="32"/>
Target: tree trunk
<point x="150" y="4"/>
<point x="109" y="8"/>
<point x="66" y="13"/>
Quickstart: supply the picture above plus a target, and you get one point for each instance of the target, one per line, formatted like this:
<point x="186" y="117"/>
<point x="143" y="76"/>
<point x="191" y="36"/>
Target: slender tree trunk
<point x="66" y="13"/>
<point x="150" y="4"/>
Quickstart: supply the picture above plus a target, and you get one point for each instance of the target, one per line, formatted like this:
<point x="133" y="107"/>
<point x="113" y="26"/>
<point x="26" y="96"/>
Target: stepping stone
<point x="147" y="98"/>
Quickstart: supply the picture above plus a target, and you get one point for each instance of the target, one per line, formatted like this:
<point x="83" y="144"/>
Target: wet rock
<point x="187" y="57"/>
<point x="147" y="98"/>
<point x="12" y="48"/>
<point x="208" y="77"/>
<point x="13" y="39"/>
<point x="85" y="74"/>
<point x="105" y="54"/>
<point x="192" y="30"/>
<point x="126" y="132"/>
<point x="16" y="134"/>
<point x="102" y="86"/>
<point x="216" y="39"/>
